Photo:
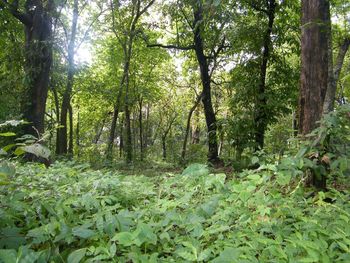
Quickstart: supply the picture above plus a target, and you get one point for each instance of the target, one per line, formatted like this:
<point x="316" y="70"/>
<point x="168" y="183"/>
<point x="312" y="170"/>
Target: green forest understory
<point x="157" y="212"/>
<point x="146" y="131"/>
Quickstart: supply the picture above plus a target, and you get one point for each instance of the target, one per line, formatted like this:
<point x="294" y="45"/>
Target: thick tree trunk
<point x="210" y="117"/>
<point x="314" y="63"/>
<point x="38" y="60"/>
<point x="63" y="131"/>
<point x="260" y="118"/>
<point x="314" y="68"/>
<point x="328" y="105"/>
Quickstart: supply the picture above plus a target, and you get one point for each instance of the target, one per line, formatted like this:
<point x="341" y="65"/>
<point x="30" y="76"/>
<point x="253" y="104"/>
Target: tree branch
<point x="13" y="9"/>
<point x="191" y="47"/>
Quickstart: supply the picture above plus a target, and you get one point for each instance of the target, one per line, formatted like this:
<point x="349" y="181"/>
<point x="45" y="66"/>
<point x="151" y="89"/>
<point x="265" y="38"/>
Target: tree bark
<point x="164" y="147"/>
<point x="141" y="129"/>
<point x="261" y="118"/>
<point x="210" y="117"/>
<point x="188" y="125"/>
<point x="37" y="23"/>
<point x="71" y="131"/>
<point x="128" y="142"/>
<point x="77" y="132"/>
<point x="328" y="105"/>
<point x="314" y="63"/>
<point x="314" y="68"/>
<point x="111" y="137"/>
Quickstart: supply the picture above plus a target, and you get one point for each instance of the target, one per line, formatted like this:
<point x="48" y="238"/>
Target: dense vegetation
<point x="174" y="131"/>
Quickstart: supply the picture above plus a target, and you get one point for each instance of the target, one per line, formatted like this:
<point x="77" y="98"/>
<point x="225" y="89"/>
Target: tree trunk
<point x="210" y="117"/>
<point x="314" y="63"/>
<point x="164" y="147"/>
<point x="63" y="131"/>
<point x="128" y="142"/>
<point x="314" y="68"/>
<point x="328" y="105"/>
<point x="77" y="132"/>
<point x="71" y="130"/>
<point x="141" y="129"/>
<point x="111" y="137"/>
<point x="37" y="23"/>
<point x="99" y="130"/>
<point x="188" y="125"/>
<point x="260" y="118"/>
<point x="121" y="145"/>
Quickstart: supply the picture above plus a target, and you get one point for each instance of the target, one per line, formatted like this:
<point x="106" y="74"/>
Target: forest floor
<point x="72" y="213"/>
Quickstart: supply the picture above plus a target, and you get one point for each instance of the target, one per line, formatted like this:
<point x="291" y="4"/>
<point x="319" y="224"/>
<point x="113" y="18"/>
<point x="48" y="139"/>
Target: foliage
<point x="25" y="144"/>
<point x="70" y="213"/>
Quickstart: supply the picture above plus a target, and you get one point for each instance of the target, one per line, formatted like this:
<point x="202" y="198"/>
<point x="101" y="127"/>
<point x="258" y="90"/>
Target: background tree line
<point x="182" y="81"/>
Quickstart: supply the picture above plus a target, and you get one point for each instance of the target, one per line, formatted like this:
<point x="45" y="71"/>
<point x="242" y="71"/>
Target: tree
<point x="202" y="26"/>
<point x="126" y="33"/>
<point x="266" y="73"/>
<point x="37" y="21"/>
<point x="314" y="67"/>
<point x="75" y="36"/>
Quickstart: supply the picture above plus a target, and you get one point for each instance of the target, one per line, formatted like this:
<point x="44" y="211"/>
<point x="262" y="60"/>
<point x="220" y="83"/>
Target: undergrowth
<point x="71" y="213"/>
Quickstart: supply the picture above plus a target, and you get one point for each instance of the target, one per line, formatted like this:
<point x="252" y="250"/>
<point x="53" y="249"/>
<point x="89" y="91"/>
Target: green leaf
<point x="7" y="169"/>
<point x="8" y="134"/>
<point x="124" y="238"/>
<point x="229" y="255"/>
<point x="76" y="256"/>
<point x="196" y="170"/>
<point x="83" y="232"/>
<point x="144" y="234"/>
<point x="8" y="256"/>
<point x="38" y="150"/>
<point x="255" y="160"/>
<point x="19" y="151"/>
<point x="283" y="178"/>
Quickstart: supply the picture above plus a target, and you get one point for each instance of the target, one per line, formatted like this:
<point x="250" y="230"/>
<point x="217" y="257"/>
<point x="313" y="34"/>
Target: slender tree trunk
<point x="128" y="143"/>
<point x="165" y="135"/>
<point x="141" y="129"/>
<point x="314" y="68"/>
<point x="164" y="147"/>
<point x="57" y="106"/>
<point x="121" y="145"/>
<point x="328" y="105"/>
<point x="77" y="132"/>
<point x="71" y="131"/>
<point x="210" y="117"/>
<point x="188" y="125"/>
<point x="111" y="137"/>
<point x="63" y="131"/>
<point x="148" y="130"/>
<point x="99" y="130"/>
<point x="195" y="135"/>
<point x="260" y="118"/>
